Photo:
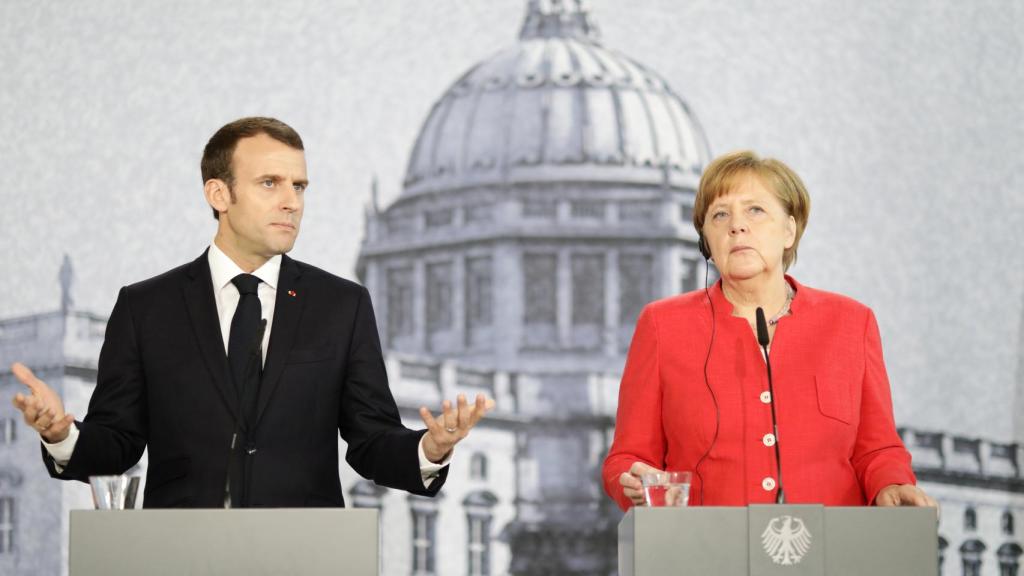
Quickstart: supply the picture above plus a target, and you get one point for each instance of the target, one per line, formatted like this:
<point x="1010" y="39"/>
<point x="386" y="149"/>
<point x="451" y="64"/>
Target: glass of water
<point x="666" y="489"/>
<point x="114" y="492"/>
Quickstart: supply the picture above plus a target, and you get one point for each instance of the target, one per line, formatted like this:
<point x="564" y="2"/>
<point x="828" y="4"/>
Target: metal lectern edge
<point x="718" y="541"/>
<point x="215" y="542"/>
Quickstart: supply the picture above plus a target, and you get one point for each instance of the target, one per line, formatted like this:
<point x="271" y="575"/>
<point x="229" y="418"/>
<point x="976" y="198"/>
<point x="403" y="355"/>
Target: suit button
<point x="768" y="439"/>
<point x="766" y="397"/>
<point x="768" y="484"/>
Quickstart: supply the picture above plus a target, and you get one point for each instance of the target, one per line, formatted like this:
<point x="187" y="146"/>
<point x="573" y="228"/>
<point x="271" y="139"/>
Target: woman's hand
<point x="904" y="495"/>
<point x="632" y="487"/>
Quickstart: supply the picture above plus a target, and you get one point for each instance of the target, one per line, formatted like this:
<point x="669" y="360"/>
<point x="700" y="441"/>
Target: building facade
<point x="547" y="199"/>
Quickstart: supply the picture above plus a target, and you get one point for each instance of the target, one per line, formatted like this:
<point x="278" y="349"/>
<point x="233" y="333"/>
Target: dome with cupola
<point x="556" y="105"/>
<point x="546" y="200"/>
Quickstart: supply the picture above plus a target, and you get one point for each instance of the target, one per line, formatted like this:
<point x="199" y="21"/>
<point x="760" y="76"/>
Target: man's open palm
<point x="42" y="407"/>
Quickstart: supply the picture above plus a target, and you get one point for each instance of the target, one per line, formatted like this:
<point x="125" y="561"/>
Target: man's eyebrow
<point x="279" y="178"/>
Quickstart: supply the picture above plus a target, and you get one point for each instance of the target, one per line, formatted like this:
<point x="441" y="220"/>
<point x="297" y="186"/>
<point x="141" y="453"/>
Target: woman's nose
<point x="737" y="225"/>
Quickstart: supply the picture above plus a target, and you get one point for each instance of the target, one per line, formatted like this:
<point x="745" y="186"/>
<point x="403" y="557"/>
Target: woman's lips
<point x="739" y="248"/>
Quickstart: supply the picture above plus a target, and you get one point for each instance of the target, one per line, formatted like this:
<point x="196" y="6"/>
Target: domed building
<point x="548" y="198"/>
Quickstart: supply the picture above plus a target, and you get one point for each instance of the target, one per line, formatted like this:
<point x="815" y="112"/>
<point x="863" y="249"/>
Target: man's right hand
<point x="632" y="487"/>
<point x="42" y="409"/>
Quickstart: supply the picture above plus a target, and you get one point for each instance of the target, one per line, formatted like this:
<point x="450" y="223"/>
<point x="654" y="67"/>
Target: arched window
<point x="588" y="305"/>
<point x="479" y="293"/>
<point x="1009" y="559"/>
<point x="479" y="516"/>
<point x="971" y="552"/>
<point x="7" y="430"/>
<point x="439" y="296"/>
<point x="943" y="544"/>
<point x="1006" y="523"/>
<point x="636" y="286"/>
<point x="424" y="535"/>
<point x="400" y="303"/>
<point x="540" y="299"/>
<point x="478" y="467"/>
<point x="479" y="277"/>
<point x="6" y="525"/>
<point x="970" y="519"/>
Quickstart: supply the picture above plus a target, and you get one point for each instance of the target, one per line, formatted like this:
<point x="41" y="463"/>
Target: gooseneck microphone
<point x="763" y="340"/>
<point x="239" y="469"/>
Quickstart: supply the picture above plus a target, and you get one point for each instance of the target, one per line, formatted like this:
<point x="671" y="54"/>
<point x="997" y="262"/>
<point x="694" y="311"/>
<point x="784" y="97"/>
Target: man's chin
<point x="282" y="248"/>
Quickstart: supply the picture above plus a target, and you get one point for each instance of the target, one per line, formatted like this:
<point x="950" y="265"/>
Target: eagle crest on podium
<point x="786" y="540"/>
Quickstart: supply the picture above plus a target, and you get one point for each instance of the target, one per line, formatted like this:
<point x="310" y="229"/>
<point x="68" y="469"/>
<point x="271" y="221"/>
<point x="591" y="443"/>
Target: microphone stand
<point x="763" y="340"/>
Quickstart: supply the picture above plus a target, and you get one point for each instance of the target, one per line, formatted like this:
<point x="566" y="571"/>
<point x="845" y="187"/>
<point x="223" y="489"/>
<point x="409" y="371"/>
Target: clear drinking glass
<point x="670" y="488"/>
<point x="114" y="492"/>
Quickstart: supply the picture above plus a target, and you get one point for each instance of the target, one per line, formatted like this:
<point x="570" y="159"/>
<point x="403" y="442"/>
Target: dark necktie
<point x="245" y="360"/>
<point x="243" y="346"/>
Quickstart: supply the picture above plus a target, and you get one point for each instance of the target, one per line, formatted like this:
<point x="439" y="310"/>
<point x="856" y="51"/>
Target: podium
<point x="309" y="541"/>
<point x="775" y="540"/>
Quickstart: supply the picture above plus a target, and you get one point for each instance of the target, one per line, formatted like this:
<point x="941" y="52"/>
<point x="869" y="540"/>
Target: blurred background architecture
<point x="547" y="198"/>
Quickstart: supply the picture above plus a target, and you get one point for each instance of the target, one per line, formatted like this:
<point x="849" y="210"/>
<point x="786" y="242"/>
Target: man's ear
<point x="218" y="194"/>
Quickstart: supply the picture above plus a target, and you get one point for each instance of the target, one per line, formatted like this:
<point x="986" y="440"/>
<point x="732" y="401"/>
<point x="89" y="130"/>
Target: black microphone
<point x="763" y="340"/>
<point x="258" y="343"/>
<point x="762" y="331"/>
<point x="237" y="467"/>
<point x="255" y="363"/>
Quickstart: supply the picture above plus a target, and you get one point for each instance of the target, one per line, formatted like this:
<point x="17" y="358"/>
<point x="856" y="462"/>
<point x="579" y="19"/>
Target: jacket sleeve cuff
<point x="883" y="478"/>
<point x="61" y="451"/>
<point x="429" y="471"/>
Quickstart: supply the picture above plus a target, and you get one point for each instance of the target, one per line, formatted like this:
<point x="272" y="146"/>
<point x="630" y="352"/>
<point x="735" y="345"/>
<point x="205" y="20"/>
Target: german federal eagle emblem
<point x="786" y="540"/>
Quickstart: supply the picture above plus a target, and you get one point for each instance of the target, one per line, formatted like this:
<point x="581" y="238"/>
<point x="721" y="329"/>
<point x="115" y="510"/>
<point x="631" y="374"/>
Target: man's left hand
<point x="904" y="495"/>
<point x="452" y="425"/>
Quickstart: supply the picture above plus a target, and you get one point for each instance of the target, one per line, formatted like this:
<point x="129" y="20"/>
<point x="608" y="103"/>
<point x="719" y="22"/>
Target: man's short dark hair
<point x="216" y="162"/>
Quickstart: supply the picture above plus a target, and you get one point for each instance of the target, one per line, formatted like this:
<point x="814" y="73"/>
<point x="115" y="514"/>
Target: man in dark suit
<point x="239" y="369"/>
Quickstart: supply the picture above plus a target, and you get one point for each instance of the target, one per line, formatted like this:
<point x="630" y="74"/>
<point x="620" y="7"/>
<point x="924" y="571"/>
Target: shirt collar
<point x="223" y="268"/>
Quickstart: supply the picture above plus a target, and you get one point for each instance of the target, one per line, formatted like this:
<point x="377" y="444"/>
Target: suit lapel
<point x="287" y="312"/>
<point x="202" y="310"/>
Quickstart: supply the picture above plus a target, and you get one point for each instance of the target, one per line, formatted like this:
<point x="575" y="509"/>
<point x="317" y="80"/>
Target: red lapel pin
<point x="292" y="293"/>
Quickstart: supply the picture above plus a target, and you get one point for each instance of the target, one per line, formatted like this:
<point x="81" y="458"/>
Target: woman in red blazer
<point x="695" y="392"/>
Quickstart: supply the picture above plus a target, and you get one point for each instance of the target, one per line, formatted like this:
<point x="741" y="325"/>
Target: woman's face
<point x="747" y="230"/>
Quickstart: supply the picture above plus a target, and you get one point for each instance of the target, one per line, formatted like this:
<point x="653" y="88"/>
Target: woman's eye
<point x="268" y="183"/>
<point x="719" y="215"/>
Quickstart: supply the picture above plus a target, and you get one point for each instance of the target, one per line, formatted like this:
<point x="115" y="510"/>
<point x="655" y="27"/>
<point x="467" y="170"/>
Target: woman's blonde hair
<point x="724" y="172"/>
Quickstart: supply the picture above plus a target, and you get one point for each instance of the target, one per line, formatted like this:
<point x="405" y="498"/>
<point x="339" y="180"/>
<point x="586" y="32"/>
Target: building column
<point x="667" y="271"/>
<point x="419" y="305"/>
<point x="609" y="336"/>
<point x="459" y="299"/>
<point x="375" y="286"/>
<point x="507" y="292"/>
<point x="564" y="300"/>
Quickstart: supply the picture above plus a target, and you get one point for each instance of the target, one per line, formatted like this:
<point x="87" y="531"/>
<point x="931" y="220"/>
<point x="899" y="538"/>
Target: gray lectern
<point x="218" y="542"/>
<point x="767" y="540"/>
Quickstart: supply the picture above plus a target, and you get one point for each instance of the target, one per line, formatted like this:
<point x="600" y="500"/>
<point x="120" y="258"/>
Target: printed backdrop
<point x="904" y="119"/>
